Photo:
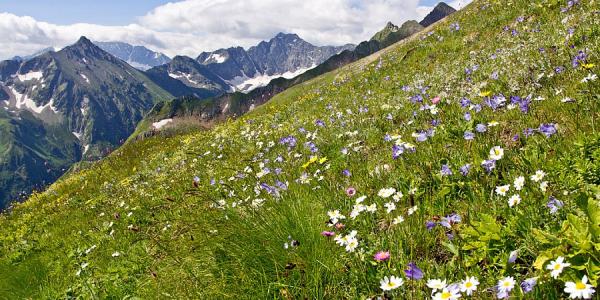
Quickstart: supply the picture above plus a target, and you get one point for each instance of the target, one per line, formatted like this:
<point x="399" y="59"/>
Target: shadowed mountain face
<point x="440" y="11"/>
<point x="60" y="105"/>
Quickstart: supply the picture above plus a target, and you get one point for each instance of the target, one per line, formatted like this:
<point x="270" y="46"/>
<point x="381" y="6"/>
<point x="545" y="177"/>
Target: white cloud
<point x="192" y="26"/>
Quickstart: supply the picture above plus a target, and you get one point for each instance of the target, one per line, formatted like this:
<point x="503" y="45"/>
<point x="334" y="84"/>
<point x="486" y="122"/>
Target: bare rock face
<point x="440" y="11"/>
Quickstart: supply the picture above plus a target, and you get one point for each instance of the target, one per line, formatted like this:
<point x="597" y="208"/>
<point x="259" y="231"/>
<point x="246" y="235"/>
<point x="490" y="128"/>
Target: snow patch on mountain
<point x="29" y="76"/>
<point x="84" y="77"/>
<point x="161" y="123"/>
<point x="245" y="84"/>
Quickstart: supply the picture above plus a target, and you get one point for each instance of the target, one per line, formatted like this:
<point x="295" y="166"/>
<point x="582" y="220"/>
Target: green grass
<point x="148" y="222"/>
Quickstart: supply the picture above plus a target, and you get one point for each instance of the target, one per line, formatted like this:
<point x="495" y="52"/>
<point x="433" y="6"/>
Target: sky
<point x="189" y="27"/>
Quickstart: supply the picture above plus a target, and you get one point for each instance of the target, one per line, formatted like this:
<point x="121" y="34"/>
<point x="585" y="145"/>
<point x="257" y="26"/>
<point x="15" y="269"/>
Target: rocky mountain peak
<point x="440" y="11"/>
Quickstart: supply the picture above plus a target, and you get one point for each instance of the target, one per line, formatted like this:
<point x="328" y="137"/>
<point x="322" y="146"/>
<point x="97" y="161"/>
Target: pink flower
<point x="383" y="255"/>
<point x="328" y="233"/>
<point x="339" y="226"/>
<point x="350" y="192"/>
<point x="435" y="100"/>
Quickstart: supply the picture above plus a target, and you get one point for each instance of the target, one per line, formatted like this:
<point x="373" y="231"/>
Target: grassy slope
<point x="64" y="243"/>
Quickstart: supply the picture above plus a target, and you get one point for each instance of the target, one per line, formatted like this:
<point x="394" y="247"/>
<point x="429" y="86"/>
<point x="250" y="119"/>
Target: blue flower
<point x="529" y="284"/>
<point x="347" y="173"/>
<point x="480" y="128"/>
<point x="446" y="170"/>
<point x="554" y="205"/>
<point x="430" y="225"/>
<point x="547" y="129"/>
<point x="413" y="272"/>
<point x="467" y="116"/>
<point x="465" y="169"/>
<point x="468" y="135"/>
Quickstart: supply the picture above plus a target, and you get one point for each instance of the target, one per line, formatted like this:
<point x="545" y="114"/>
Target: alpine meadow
<point x="461" y="162"/>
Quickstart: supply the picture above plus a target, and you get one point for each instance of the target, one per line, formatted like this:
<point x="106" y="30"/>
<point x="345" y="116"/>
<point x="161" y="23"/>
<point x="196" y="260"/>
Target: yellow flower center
<point x="497" y="152"/>
<point x="446" y="295"/>
<point x="391" y="284"/>
<point x="515" y="201"/>
<point x="469" y="284"/>
<point x="507" y="283"/>
<point x="557" y="267"/>
<point x="580" y="286"/>
<point x="352" y="244"/>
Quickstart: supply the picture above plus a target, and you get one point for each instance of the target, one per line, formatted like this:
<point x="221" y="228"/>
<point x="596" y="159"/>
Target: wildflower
<point x="480" y="128"/>
<point x="512" y="257"/>
<point x="554" y="205"/>
<point x="519" y="182"/>
<point x="372" y="208"/>
<point x="501" y="190"/>
<point x="579" y="290"/>
<point x="398" y="196"/>
<point x="469" y="285"/>
<point x="390" y="207"/>
<point x="352" y="243"/>
<point x="468" y="135"/>
<point x="436" y="284"/>
<point x="539" y="175"/>
<point x="465" y="169"/>
<point x="116" y="254"/>
<point x="412" y="210"/>
<point x="547" y="129"/>
<point x="398" y="220"/>
<point x="493" y="123"/>
<point x="496" y="153"/>
<point x="388" y="284"/>
<point x="339" y="226"/>
<point x="489" y="164"/>
<point x="350" y="192"/>
<point x="447" y="221"/>
<point x="384" y="193"/>
<point x="382" y="255"/>
<point x="467" y="116"/>
<point x="413" y="272"/>
<point x="347" y="173"/>
<point x="360" y="199"/>
<point x="328" y="233"/>
<point x="557" y="266"/>
<point x="445" y="170"/>
<point x="430" y="225"/>
<point x="505" y="286"/>
<point x="515" y="199"/>
<point x="529" y="284"/>
<point x="451" y="294"/>
<point x="544" y="186"/>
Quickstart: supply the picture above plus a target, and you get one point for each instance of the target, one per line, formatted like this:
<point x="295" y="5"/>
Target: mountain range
<point x="82" y="102"/>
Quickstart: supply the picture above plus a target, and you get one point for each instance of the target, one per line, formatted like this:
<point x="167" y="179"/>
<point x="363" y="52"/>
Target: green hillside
<point x="468" y="154"/>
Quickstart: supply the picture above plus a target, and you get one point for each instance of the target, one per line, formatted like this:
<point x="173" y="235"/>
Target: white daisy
<point x="388" y="284"/>
<point x="398" y="220"/>
<point x="539" y="175"/>
<point x="447" y="294"/>
<point x="496" y="153"/>
<point x="519" y="183"/>
<point x="506" y="285"/>
<point x="501" y="190"/>
<point x="469" y="285"/>
<point x="557" y="266"/>
<point x="412" y="210"/>
<point x="390" y="207"/>
<point x="579" y="290"/>
<point x="514" y="200"/>
<point x="436" y="284"/>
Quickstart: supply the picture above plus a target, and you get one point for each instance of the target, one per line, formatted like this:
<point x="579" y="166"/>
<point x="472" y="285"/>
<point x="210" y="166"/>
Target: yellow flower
<point x="589" y="66"/>
<point x="485" y="94"/>
<point x="322" y="160"/>
<point x="306" y="164"/>
<point x="313" y="159"/>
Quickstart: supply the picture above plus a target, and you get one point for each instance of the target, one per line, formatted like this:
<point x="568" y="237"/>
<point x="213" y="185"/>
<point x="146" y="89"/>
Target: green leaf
<point x="544" y="256"/>
<point x="593" y="212"/>
<point x="451" y="247"/>
<point x="445" y="191"/>
<point x="544" y="237"/>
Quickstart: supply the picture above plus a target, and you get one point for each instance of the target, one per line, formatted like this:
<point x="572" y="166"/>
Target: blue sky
<point x="189" y="27"/>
